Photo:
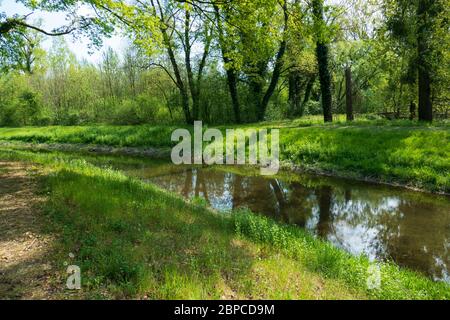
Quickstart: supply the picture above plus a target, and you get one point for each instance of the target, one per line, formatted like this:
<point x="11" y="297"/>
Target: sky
<point x="51" y="20"/>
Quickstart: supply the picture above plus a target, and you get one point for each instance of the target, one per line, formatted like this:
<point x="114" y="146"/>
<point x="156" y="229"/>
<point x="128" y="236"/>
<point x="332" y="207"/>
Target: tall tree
<point x="424" y="27"/>
<point x="229" y="65"/>
<point x="415" y="26"/>
<point x="349" y="93"/>
<point x="276" y="74"/>
<point x="167" y="26"/>
<point x="109" y="68"/>
<point x="322" y="59"/>
<point x="300" y="60"/>
<point x="261" y="50"/>
<point x="190" y="36"/>
<point x="255" y="38"/>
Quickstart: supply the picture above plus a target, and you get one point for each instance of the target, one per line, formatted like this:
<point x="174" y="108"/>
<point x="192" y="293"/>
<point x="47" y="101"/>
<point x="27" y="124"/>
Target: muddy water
<point x="385" y="223"/>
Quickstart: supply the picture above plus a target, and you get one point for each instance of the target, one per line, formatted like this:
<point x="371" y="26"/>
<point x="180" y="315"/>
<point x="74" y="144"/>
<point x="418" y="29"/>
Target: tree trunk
<point x="273" y="83"/>
<point x="179" y="80"/>
<point x="230" y="70"/>
<point x="324" y="197"/>
<point x="425" y="105"/>
<point x="232" y="87"/>
<point x="412" y="110"/>
<point x="278" y="67"/>
<point x="325" y="82"/>
<point x="294" y="94"/>
<point x="201" y="67"/>
<point x="308" y="91"/>
<point x="256" y="89"/>
<point x="349" y="94"/>
<point x="424" y="83"/>
<point x="187" y="59"/>
<point x="322" y="60"/>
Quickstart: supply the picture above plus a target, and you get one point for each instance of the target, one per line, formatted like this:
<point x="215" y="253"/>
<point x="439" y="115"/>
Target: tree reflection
<point x="200" y="185"/>
<point x="324" y="197"/>
<point x="237" y="191"/>
<point x="381" y="222"/>
<point x="186" y="192"/>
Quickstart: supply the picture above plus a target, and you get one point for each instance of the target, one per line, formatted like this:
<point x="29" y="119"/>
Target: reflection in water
<point x="324" y="195"/>
<point x="413" y="229"/>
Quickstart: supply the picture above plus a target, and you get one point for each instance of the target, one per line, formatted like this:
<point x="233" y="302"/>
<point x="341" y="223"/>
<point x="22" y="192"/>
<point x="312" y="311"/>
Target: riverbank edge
<point x="320" y="256"/>
<point x="164" y="154"/>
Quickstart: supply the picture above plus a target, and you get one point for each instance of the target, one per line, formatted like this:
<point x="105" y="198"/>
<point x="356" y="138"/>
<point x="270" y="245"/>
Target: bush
<point x="126" y="113"/>
<point x="143" y="109"/>
<point x="313" y="107"/>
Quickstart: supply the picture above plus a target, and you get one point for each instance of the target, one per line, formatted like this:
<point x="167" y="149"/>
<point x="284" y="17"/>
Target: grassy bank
<point x="133" y="240"/>
<point x="399" y="152"/>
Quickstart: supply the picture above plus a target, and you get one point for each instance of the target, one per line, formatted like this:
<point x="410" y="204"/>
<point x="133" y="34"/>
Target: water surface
<point x="383" y="222"/>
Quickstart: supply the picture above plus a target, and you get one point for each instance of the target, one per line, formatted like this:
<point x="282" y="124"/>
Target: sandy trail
<point x="25" y="269"/>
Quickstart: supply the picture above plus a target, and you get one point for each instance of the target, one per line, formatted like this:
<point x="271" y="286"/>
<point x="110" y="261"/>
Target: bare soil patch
<point x="25" y="265"/>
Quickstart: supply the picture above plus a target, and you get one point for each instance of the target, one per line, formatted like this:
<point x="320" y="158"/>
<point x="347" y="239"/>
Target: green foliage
<point x="67" y="92"/>
<point x="369" y="36"/>
<point x="416" y="32"/>
<point x="20" y="104"/>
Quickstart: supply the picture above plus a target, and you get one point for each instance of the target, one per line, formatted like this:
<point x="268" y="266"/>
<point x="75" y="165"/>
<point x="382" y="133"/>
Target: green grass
<point x="133" y="240"/>
<point x="401" y="152"/>
<point x="415" y="157"/>
<point x="117" y="136"/>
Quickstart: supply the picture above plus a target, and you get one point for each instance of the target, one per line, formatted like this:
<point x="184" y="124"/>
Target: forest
<point x="350" y="98"/>
<point x="229" y="62"/>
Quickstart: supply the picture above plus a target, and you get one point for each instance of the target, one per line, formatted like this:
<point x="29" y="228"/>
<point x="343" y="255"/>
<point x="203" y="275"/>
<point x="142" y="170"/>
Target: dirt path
<point x="25" y="270"/>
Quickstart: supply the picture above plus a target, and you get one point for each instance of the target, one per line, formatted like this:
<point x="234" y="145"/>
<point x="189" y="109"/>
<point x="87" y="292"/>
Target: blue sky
<point x="52" y="20"/>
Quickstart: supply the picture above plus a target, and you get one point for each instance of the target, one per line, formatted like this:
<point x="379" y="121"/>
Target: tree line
<point x="229" y="61"/>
